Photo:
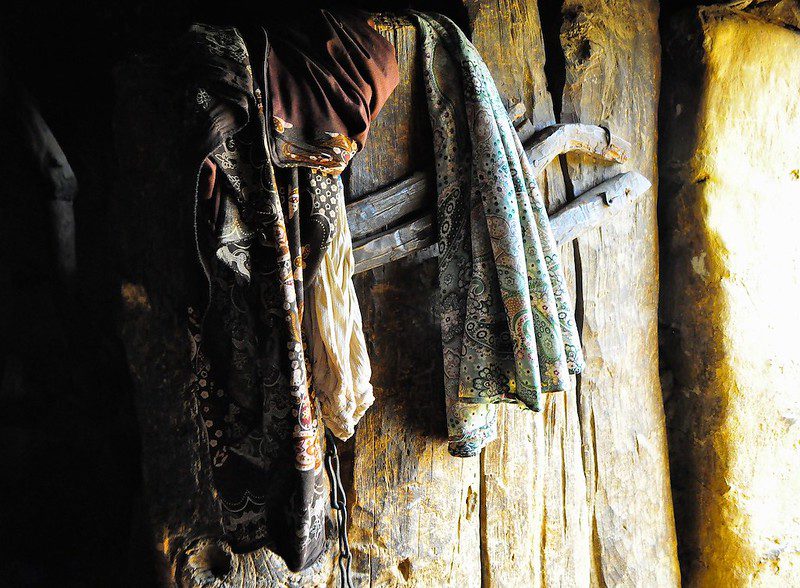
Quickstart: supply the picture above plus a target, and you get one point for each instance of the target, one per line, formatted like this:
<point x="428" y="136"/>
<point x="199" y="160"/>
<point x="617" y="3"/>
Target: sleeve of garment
<point x="340" y="364"/>
<point x="43" y="148"/>
<point x="470" y="426"/>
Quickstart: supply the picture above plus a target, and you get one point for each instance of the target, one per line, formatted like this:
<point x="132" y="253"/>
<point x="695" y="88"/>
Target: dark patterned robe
<point x="263" y="223"/>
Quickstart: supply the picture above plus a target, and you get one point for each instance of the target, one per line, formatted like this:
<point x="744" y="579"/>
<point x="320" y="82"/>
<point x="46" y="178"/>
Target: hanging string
<point x="339" y="505"/>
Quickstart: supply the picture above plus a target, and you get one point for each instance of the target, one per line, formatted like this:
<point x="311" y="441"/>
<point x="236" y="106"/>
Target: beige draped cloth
<point x="340" y="364"/>
<point x="327" y="78"/>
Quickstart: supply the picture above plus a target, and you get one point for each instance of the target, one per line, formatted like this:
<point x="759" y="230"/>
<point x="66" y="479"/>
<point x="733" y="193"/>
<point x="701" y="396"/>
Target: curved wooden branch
<point x="387" y="206"/>
<point x="552" y="141"/>
<point x="395" y="243"/>
<point x="595" y="206"/>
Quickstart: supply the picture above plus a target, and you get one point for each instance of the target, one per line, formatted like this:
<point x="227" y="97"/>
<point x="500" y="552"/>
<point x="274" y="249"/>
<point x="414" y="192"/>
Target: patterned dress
<point x="268" y="202"/>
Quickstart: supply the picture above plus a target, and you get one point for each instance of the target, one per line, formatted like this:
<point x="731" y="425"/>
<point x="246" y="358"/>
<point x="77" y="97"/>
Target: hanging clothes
<point x="328" y="76"/>
<point x="508" y="330"/>
<point x="340" y="364"/>
<point x="264" y="223"/>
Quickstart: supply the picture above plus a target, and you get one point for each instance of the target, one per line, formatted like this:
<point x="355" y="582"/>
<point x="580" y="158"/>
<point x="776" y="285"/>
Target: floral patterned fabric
<point x="508" y="329"/>
<point x="252" y="384"/>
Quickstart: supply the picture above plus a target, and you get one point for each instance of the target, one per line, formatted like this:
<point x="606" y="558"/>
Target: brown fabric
<point x="328" y="76"/>
<point x="208" y="192"/>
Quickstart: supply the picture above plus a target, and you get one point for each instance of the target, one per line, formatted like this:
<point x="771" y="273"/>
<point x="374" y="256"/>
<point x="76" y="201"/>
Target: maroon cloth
<point x="208" y="192"/>
<point x="328" y="77"/>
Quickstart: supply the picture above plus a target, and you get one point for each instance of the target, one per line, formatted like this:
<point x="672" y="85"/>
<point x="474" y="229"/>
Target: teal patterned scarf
<point x="508" y="329"/>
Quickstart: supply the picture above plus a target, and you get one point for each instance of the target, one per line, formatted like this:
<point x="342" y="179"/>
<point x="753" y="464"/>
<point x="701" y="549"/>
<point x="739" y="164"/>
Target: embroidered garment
<point x="262" y="233"/>
<point x="340" y="363"/>
<point x="251" y="384"/>
<point x="328" y="76"/>
<point x="508" y="329"/>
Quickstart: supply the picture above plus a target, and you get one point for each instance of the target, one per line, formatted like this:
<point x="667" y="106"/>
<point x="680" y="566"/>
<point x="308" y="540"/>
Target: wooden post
<point x="580" y="496"/>
<point x="414" y="514"/>
<point x="612" y="54"/>
<point x="533" y="491"/>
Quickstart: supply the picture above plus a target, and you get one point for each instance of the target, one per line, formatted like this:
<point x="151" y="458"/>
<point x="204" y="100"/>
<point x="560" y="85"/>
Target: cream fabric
<point x="340" y="364"/>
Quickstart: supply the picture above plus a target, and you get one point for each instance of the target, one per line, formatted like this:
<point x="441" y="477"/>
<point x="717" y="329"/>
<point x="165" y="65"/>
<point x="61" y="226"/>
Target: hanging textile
<point x="340" y="364"/>
<point x="508" y="330"/>
<point x="328" y="76"/>
<point x="264" y="223"/>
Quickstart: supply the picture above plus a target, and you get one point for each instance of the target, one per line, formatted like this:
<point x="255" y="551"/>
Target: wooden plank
<point x="554" y="140"/>
<point x="597" y="206"/>
<point x="532" y="488"/>
<point x="395" y="244"/>
<point x="415" y="509"/>
<point x="386" y="206"/>
<point x="613" y="60"/>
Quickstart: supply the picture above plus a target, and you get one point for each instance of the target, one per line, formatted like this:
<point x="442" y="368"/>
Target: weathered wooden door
<point x="575" y="496"/>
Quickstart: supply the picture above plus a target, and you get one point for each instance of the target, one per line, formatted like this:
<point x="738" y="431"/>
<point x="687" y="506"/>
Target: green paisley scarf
<point x="508" y="328"/>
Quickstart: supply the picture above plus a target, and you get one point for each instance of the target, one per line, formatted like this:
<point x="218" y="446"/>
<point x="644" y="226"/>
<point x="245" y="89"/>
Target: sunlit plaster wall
<point x="731" y="296"/>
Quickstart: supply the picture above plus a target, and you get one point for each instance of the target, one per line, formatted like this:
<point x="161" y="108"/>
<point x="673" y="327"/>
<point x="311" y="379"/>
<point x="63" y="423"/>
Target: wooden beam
<point x="596" y="205"/>
<point x="386" y="206"/>
<point x="583" y="214"/>
<point x="612" y="79"/>
<point x="369" y="217"/>
<point x="395" y="244"/>
<point x="554" y="140"/>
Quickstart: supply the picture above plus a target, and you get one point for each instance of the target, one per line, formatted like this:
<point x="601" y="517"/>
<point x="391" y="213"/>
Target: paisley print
<point x="508" y="329"/>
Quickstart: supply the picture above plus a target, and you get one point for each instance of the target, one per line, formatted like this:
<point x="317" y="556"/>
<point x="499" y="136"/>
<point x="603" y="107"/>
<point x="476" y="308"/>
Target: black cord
<point x="339" y="505"/>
